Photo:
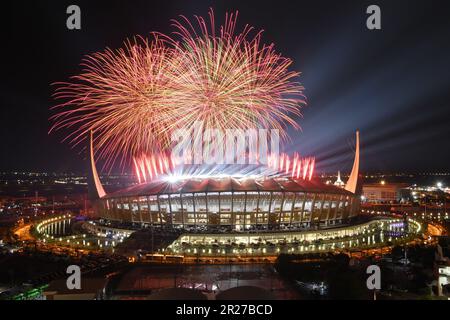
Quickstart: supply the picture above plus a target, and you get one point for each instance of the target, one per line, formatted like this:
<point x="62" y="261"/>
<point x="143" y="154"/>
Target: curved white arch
<point x="353" y="179"/>
<point x="95" y="187"/>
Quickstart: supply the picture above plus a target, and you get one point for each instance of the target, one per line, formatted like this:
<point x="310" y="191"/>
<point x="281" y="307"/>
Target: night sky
<point x="392" y="84"/>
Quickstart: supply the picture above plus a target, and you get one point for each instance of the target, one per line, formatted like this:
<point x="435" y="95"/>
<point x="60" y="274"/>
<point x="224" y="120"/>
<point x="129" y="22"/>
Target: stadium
<point x="231" y="204"/>
<point x="197" y="85"/>
<point x="220" y="219"/>
<point x="224" y="204"/>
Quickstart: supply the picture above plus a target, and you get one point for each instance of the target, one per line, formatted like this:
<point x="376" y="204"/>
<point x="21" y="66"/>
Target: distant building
<point x="339" y="183"/>
<point x="383" y="192"/>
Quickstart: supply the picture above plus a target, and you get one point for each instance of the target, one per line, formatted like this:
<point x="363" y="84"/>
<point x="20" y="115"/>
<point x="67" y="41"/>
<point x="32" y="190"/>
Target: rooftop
<point x="228" y="184"/>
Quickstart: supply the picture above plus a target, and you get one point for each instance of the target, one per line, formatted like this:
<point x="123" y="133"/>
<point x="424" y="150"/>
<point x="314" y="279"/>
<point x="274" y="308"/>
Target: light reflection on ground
<point x="210" y="279"/>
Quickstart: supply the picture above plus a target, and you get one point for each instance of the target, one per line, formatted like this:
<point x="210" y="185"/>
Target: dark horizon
<point x="391" y="84"/>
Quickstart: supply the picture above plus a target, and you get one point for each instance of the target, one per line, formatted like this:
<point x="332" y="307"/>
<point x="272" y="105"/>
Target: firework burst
<point x="120" y="95"/>
<point x="230" y="80"/>
<point x="133" y="98"/>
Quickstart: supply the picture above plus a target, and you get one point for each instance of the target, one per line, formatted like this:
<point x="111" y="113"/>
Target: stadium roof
<point x="229" y="184"/>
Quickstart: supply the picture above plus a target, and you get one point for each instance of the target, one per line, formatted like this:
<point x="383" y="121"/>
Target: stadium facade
<point x="230" y="204"/>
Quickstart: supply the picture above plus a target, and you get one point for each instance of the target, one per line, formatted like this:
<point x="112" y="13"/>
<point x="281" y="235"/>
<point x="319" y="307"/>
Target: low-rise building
<point x="383" y="192"/>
